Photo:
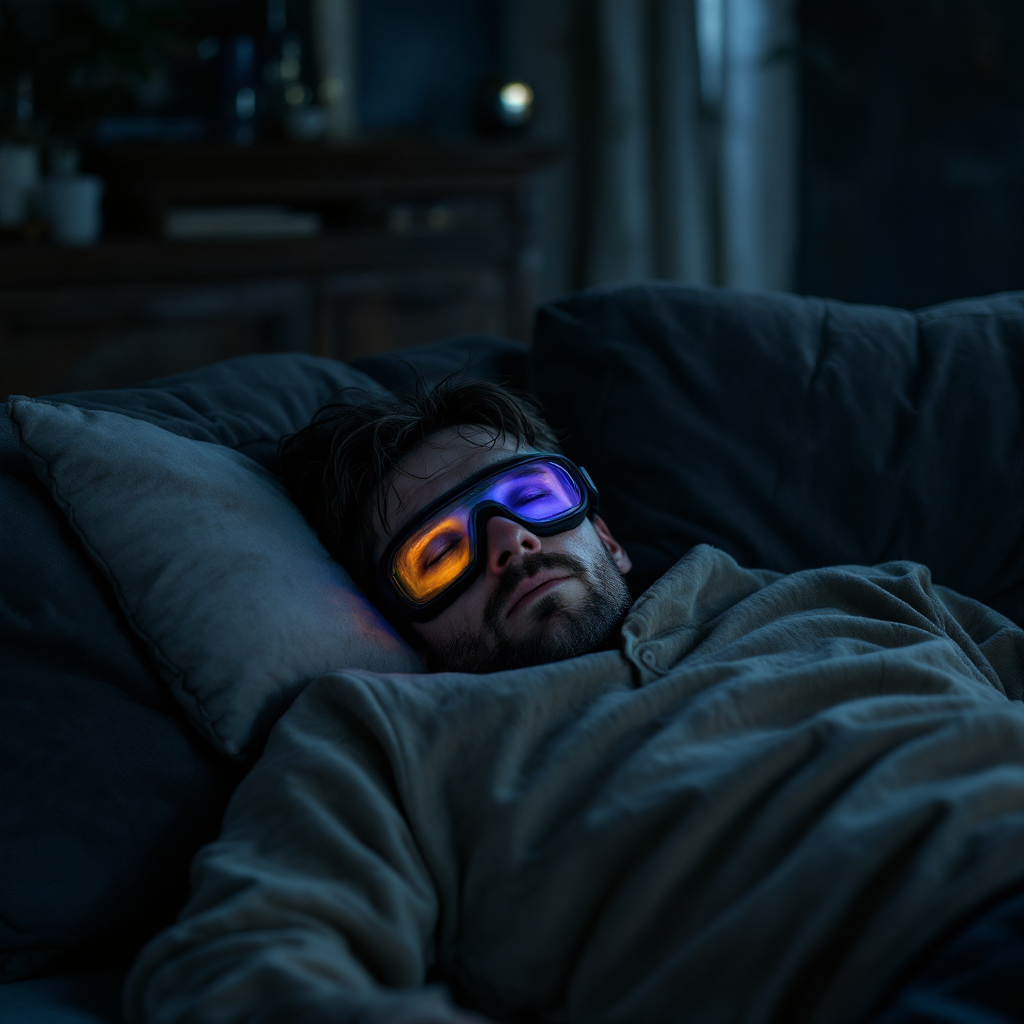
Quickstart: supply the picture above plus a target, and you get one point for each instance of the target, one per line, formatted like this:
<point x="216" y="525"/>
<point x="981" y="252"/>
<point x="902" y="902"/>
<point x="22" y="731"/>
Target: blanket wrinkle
<point x="815" y="777"/>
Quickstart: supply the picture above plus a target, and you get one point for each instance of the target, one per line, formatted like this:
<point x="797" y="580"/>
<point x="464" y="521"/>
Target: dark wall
<point x="912" y="157"/>
<point x="422" y="63"/>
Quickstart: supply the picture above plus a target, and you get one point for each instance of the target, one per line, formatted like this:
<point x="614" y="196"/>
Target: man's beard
<point x="562" y="632"/>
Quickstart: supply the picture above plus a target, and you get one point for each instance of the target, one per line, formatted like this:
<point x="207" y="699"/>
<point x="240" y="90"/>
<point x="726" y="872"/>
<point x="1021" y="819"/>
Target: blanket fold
<point x="776" y="793"/>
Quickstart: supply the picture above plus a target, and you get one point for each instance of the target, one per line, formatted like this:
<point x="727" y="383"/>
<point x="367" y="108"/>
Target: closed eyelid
<point x="442" y="539"/>
<point x="533" y="478"/>
<point x="499" y="482"/>
<point x="441" y="548"/>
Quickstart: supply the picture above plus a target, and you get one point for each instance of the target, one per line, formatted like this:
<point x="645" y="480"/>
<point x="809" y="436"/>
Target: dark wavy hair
<point x="338" y="469"/>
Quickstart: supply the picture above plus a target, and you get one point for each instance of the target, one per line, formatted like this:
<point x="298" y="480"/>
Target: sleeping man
<point x="744" y="797"/>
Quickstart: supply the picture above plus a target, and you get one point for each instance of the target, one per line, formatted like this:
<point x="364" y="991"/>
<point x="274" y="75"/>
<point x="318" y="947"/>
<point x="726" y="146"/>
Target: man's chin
<point x="546" y="614"/>
<point x="552" y="633"/>
<point x="555" y="595"/>
<point x="550" y="644"/>
<point x="563" y="622"/>
<point x="556" y="631"/>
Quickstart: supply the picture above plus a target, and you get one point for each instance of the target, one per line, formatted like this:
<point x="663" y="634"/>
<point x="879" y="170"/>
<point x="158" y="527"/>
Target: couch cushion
<point x="107" y="791"/>
<point x="92" y="997"/>
<point x="796" y="432"/>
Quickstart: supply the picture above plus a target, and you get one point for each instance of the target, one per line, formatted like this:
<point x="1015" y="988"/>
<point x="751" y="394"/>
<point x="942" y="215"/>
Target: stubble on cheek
<point x="555" y="630"/>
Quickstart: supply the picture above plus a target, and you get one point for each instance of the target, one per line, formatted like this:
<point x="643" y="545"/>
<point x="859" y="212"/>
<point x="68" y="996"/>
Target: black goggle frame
<point x="389" y="590"/>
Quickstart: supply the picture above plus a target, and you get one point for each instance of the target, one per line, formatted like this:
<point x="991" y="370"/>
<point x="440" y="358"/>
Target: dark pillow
<point x="796" y="432"/>
<point x="245" y="403"/>
<point x="107" y="791"/>
<point x="216" y="570"/>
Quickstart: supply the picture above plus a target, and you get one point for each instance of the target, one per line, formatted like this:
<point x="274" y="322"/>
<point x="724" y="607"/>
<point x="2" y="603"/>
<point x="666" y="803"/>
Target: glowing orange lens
<point x="431" y="560"/>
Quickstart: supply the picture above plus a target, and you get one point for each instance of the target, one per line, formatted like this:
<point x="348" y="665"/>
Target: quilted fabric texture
<point x="796" y="432"/>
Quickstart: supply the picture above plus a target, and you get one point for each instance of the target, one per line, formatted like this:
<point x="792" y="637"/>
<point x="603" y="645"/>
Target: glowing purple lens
<point x="440" y="551"/>
<point x="537" y="491"/>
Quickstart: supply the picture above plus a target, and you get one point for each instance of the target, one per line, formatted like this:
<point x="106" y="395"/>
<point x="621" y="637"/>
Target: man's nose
<point x="507" y="541"/>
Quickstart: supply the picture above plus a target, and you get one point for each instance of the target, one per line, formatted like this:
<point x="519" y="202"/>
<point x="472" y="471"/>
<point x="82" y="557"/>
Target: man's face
<point x="536" y="599"/>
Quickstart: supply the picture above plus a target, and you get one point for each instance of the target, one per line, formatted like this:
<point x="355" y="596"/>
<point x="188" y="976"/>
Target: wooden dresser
<point x="417" y="243"/>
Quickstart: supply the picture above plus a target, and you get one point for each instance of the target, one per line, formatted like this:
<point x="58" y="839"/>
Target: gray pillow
<point x="215" y="568"/>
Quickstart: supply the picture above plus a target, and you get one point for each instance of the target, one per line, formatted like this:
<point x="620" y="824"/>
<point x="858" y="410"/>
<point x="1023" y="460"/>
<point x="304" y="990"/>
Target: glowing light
<point x="516" y="98"/>
<point x="413" y="571"/>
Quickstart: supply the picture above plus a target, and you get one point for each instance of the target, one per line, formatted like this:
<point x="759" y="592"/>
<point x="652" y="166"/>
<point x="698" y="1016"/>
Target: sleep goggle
<point x="435" y="558"/>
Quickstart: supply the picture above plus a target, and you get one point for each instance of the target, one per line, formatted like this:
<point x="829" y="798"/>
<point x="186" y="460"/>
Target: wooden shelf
<point x="129" y="261"/>
<point x="140" y="306"/>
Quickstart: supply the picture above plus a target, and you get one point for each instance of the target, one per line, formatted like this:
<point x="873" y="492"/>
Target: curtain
<point x="678" y="123"/>
<point x="646" y="196"/>
<point x="759" y="164"/>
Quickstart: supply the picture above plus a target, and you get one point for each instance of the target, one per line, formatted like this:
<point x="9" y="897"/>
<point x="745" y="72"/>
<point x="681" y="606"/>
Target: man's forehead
<point x="437" y="466"/>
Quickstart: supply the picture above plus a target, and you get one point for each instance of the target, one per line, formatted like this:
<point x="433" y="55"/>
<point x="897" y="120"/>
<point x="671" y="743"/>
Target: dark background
<point x="911" y="154"/>
<point x="912" y="149"/>
<point x="420" y="61"/>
